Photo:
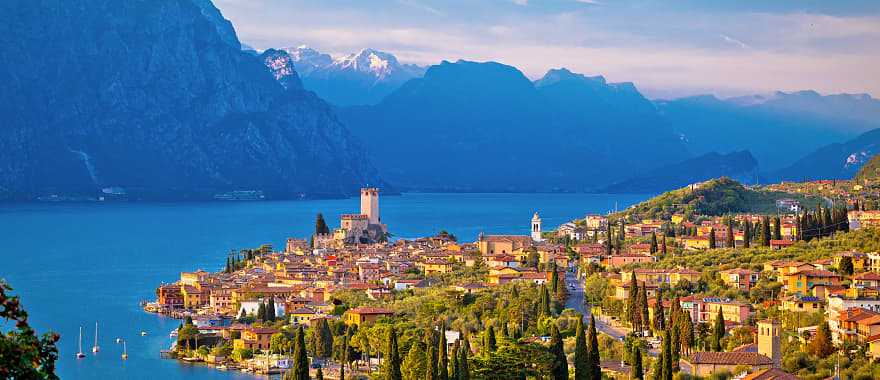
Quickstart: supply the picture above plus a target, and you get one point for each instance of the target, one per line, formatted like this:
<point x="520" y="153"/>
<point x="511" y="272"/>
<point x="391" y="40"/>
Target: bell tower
<point x="536" y="227"/>
<point x="769" y="341"/>
<point x="370" y="204"/>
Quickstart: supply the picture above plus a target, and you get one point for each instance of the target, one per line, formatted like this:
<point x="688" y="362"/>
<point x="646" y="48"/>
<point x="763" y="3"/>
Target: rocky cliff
<point x="156" y="97"/>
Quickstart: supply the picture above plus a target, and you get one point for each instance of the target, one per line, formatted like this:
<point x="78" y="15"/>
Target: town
<point x="669" y="288"/>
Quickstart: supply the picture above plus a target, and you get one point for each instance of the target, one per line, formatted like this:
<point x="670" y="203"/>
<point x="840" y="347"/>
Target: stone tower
<point x="769" y="341"/>
<point x="370" y="204"/>
<point x="536" y="227"/>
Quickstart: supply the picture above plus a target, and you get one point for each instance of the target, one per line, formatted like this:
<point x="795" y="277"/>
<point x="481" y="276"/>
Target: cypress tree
<point x="712" y="238"/>
<point x="261" y="311"/>
<point x="342" y="373"/>
<point x="454" y="372"/>
<point x="392" y="357"/>
<point x="581" y="353"/>
<point x="270" y="310"/>
<point x="559" y="370"/>
<point x="431" y="368"/>
<point x="667" y="356"/>
<point x="464" y="367"/>
<point x="632" y="300"/>
<point x="643" y="303"/>
<point x="663" y="246"/>
<point x="747" y="234"/>
<point x="442" y="356"/>
<point x="636" y="371"/>
<point x="300" y="367"/>
<point x="765" y="231"/>
<point x="545" y="301"/>
<point x="653" y="243"/>
<point x="489" y="344"/>
<point x="319" y="374"/>
<point x="659" y="318"/>
<point x="777" y="228"/>
<point x="718" y="332"/>
<point x="595" y="369"/>
<point x="731" y="243"/>
<point x="228" y="266"/>
<point x="621" y="235"/>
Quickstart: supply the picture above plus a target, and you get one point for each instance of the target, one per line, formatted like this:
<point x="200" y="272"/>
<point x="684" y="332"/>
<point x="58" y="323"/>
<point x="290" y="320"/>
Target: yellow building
<point x="803" y="304"/>
<point x="194" y="297"/>
<point x="874" y="347"/>
<point x="802" y="282"/>
<point x="436" y="266"/>
<point x="503" y="244"/>
<point x="302" y="316"/>
<point x="660" y="276"/>
<point x="254" y="338"/>
<point x="695" y="242"/>
<point x="362" y="315"/>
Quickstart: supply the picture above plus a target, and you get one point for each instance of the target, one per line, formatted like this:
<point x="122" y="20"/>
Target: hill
<point x="834" y="161"/>
<point x="471" y="126"/>
<point x="711" y="165"/>
<point x="870" y="171"/>
<point x="714" y="197"/>
<point x="156" y="99"/>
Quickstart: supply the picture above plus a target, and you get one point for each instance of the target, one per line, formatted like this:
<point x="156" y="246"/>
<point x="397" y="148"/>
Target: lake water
<point x="73" y="264"/>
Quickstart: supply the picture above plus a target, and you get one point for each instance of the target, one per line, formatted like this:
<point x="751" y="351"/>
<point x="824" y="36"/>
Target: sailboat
<point x="95" y="348"/>
<point x="79" y="353"/>
<point x="124" y="351"/>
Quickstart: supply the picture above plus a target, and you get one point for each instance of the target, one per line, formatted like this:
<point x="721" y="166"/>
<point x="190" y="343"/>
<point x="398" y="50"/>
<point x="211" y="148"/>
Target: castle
<point x="363" y="228"/>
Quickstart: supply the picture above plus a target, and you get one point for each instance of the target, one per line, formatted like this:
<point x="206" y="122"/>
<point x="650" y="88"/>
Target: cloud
<point x="735" y="41"/>
<point x="416" y="5"/>
<point x="520" y="2"/>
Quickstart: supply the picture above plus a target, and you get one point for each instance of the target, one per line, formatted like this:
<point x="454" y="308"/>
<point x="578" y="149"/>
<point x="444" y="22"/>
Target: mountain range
<point x="740" y="166"/>
<point x="365" y="77"/>
<point x="834" y="161"/>
<point x="156" y="99"/>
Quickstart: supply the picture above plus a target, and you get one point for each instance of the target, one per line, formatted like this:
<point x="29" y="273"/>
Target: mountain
<point x="469" y="126"/>
<point x="361" y="78"/>
<point x="698" y="169"/>
<point x="834" y="161"/>
<point x="776" y="128"/>
<point x="281" y="66"/>
<point x="158" y="99"/>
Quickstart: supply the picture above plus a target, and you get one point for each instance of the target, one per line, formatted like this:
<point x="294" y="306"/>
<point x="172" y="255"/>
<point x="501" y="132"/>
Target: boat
<point x="118" y="340"/>
<point x="173" y="334"/>
<point x="79" y="353"/>
<point x="143" y="333"/>
<point x="96" y="348"/>
<point x="124" y="351"/>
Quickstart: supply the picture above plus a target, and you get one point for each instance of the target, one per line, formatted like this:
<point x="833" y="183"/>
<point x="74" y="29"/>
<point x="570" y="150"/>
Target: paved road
<point x="576" y="302"/>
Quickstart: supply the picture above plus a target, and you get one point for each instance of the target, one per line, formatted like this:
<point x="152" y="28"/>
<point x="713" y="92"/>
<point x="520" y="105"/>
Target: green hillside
<point x="870" y="171"/>
<point x="714" y="197"/>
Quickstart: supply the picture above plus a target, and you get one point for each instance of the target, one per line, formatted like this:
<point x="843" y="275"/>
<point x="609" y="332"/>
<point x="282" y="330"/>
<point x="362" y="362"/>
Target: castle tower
<point x="370" y="204"/>
<point x="769" y="341"/>
<point x="536" y="227"/>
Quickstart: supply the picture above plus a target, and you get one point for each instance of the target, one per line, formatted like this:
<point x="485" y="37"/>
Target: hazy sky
<point x="666" y="48"/>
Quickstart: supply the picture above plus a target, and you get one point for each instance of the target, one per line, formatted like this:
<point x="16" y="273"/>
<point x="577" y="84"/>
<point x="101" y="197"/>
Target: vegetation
<point x="23" y="355"/>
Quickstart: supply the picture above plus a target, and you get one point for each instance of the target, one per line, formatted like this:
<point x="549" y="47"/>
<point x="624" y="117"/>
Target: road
<point x="576" y="301"/>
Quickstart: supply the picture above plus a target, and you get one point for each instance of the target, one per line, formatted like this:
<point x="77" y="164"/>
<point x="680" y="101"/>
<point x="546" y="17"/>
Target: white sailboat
<point x="124" y="351"/>
<point x="96" y="348"/>
<point x="79" y="353"/>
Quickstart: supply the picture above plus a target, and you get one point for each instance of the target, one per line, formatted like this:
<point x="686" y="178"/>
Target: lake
<point x="77" y="263"/>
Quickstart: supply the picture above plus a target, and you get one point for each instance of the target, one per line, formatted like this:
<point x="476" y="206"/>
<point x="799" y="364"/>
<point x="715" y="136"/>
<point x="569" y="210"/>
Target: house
<point x="436" y="266"/>
<point x="661" y="276"/>
<point x="470" y="288"/>
<point x="867" y="279"/>
<point x="494" y="244"/>
<point x="863" y="219"/>
<point x="770" y="374"/>
<point x="740" y="278"/>
<point x="874" y="346"/>
<point x="803" y="304"/>
<point x="859" y="260"/>
<point x="704" y="364"/>
<point x="705" y="309"/>
<point x="302" y="316"/>
<point x="361" y="315"/>
<point x="695" y="242"/>
<point x="780" y="244"/>
<point x="400" y="285"/>
<point x="254" y="338"/>
<point x="169" y="296"/>
<point x="615" y="261"/>
<point x="801" y="282"/>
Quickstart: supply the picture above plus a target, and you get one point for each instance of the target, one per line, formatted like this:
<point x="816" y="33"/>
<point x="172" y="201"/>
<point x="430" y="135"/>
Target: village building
<point x="366" y="315"/>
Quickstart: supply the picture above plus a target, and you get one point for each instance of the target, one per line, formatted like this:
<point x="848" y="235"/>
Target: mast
<point x="79" y="352"/>
<point x="95" y="348"/>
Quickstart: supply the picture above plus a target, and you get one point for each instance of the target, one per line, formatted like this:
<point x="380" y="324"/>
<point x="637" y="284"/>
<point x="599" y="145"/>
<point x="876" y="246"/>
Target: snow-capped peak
<point x="377" y="63"/>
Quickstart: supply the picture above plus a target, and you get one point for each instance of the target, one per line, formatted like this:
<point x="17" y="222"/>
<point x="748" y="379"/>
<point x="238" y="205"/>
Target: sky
<point x="667" y="48"/>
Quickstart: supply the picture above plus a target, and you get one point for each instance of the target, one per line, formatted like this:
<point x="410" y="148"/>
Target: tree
<point x="392" y="357"/>
<point x="581" y="353"/>
<point x="821" y="344"/>
<point x="643" y="305"/>
<point x="621" y="234"/>
<point x="663" y="246"/>
<point x="23" y="355"/>
<point x="270" y="310"/>
<point x="636" y="372"/>
<point x="765" y="231"/>
<point x="777" y="228"/>
<point x="747" y="234"/>
<point x="653" y="243"/>
<point x="319" y="374"/>
<point x="464" y="367"/>
<point x="632" y="301"/>
<point x="321" y="225"/>
<point x="431" y="365"/>
<point x="489" y="344"/>
<point x="667" y="356"/>
<point x="560" y="363"/>
<point x="261" y="311"/>
<point x="595" y="369"/>
<point x="718" y="331"/>
<point x="323" y="339"/>
<point x="712" y="238"/>
<point x="545" y="301"/>
<point x="730" y="243"/>
<point x="300" y="367"/>
<point x="846" y="265"/>
<point x="686" y="331"/>
<point x="442" y="356"/>
<point x="415" y="363"/>
<point x="659" y="318"/>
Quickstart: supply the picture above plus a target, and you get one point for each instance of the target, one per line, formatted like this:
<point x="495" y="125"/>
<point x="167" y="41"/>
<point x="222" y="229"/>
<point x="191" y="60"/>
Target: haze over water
<point x="73" y="264"/>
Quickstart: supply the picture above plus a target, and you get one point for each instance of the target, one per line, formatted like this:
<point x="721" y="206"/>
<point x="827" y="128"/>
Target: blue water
<point x="73" y="264"/>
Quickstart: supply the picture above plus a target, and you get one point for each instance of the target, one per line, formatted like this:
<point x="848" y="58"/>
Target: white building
<point x="536" y="228"/>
